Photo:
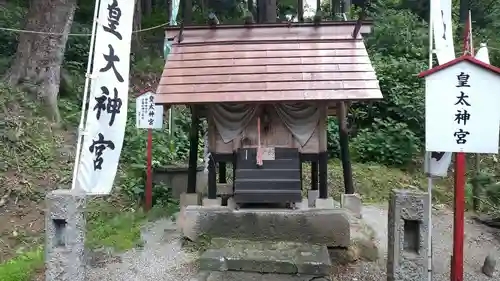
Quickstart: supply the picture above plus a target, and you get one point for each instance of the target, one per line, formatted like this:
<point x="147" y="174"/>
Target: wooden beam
<point x="314" y="175"/>
<point x="222" y="172"/>
<point x="193" y="150"/>
<point x="344" y="148"/>
<point x="361" y="18"/>
<point x="323" y="174"/>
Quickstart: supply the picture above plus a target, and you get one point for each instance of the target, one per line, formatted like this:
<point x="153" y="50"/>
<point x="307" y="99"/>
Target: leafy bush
<point x="333" y="138"/>
<point x="387" y="142"/>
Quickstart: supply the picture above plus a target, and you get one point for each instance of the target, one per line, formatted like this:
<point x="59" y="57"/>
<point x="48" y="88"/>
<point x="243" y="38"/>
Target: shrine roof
<point x="467" y="58"/>
<point x="268" y="63"/>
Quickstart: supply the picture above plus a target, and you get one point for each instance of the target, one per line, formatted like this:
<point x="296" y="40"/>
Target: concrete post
<point x="65" y="236"/>
<point x="407" y="236"/>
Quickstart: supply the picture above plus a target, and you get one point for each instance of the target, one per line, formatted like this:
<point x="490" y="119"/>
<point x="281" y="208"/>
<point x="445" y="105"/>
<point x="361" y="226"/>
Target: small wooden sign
<point x="268" y="153"/>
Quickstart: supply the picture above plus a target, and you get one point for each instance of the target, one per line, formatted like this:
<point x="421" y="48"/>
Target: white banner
<point x="148" y="115"/>
<point x="482" y="54"/>
<point x="438" y="163"/>
<point x="107" y="111"/>
<point x="443" y="31"/>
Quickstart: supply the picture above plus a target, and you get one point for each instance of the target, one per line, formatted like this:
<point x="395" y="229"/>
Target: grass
<point x="374" y="182"/>
<point x="22" y="267"/>
<point x="120" y="228"/>
<point x="108" y="227"/>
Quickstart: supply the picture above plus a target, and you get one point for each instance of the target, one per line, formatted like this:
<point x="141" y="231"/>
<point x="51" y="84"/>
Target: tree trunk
<point x="187" y="11"/>
<point x="39" y="57"/>
<point x="137" y="25"/>
<point x="147" y="6"/>
<point x="271" y="12"/>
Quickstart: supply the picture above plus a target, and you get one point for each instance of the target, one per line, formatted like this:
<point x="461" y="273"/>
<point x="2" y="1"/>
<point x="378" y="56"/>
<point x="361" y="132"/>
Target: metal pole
<point x="81" y="126"/>
<point x="429" y="175"/>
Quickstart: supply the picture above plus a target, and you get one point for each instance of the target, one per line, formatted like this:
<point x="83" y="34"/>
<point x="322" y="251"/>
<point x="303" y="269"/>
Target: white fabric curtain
<point x="232" y="119"/>
<point x="300" y="118"/>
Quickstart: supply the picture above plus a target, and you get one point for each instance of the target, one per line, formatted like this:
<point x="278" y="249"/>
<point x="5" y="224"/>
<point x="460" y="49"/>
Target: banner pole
<point x="88" y="74"/>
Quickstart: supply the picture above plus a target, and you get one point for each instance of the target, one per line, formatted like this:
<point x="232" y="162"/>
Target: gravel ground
<point x="479" y="242"/>
<point x="162" y="259"/>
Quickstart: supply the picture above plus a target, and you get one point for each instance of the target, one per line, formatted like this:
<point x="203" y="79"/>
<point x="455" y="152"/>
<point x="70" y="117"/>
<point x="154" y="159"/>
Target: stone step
<point x="266" y="257"/>
<point x="330" y="227"/>
<point x="253" y="276"/>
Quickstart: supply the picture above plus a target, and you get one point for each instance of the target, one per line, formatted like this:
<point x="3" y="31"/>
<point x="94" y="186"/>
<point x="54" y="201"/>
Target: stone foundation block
<point x="212" y="202"/>
<point x="65" y="224"/>
<point x="312" y="196"/>
<point x="190" y="199"/>
<point x="329" y="227"/>
<point x="352" y="202"/>
<point x="231" y="204"/>
<point x="326" y="203"/>
<point x="253" y="276"/>
<point x="266" y="257"/>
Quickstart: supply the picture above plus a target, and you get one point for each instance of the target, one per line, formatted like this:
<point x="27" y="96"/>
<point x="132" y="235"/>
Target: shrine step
<point x="292" y="174"/>
<point x="267" y="190"/>
<point x="269" y="164"/>
<point x="266" y="257"/>
<point x="330" y="227"/>
<point x="253" y="276"/>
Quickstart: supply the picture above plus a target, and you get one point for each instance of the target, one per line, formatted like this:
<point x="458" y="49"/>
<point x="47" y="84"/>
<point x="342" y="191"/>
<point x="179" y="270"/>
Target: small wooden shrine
<point x="266" y="91"/>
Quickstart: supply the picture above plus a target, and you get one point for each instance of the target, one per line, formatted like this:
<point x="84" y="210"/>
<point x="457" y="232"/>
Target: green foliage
<point x="386" y="142"/>
<point x="29" y="143"/>
<point x="374" y="182"/>
<point x="391" y="131"/>
<point x="22" y="267"/>
<point x="11" y="16"/>
<point x="333" y="138"/>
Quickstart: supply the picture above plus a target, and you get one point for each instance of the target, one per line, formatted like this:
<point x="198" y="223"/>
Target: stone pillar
<point x="65" y="236"/>
<point x="408" y="228"/>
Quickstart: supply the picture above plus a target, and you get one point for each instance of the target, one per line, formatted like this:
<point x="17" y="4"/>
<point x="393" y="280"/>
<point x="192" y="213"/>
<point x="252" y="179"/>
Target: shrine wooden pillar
<point x="300" y="10"/>
<point x="314" y="175"/>
<point x="323" y="174"/>
<point x="212" y="178"/>
<point x="222" y="172"/>
<point x="193" y="149"/>
<point x="322" y="163"/>
<point x="344" y="148"/>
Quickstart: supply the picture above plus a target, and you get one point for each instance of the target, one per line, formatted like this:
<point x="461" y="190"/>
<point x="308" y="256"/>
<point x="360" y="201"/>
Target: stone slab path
<point x="162" y="258"/>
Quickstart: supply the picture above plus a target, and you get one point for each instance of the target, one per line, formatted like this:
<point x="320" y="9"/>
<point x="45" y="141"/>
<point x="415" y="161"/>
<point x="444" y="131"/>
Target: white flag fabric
<point x="438" y="163"/>
<point x="443" y="31"/>
<point x="482" y="54"/>
<point x="107" y="111"/>
<point x="175" y="12"/>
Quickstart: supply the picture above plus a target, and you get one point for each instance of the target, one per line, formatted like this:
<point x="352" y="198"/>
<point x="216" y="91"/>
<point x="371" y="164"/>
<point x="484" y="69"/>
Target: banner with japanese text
<point x="441" y="11"/>
<point x="107" y="110"/>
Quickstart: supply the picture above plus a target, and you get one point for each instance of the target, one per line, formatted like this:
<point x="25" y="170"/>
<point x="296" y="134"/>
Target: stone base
<point x="363" y="245"/>
<point x="231" y="204"/>
<point x="266" y="257"/>
<point x="327" y="203"/>
<point x="312" y="195"/>
<point x="330" y="227"/>
<point x="253" y="276"/>
<point x="352" y="202"/>
<point x="190" y="199"/>
<point x="212" y="202"/>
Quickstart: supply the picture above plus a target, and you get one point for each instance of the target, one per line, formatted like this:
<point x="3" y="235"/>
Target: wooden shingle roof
<point x="266" y="64"/>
